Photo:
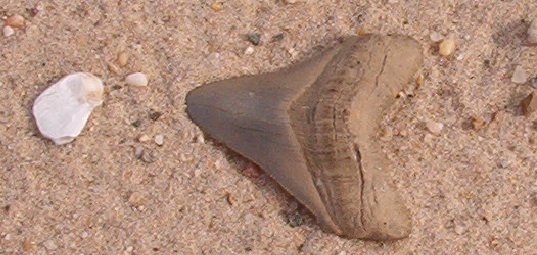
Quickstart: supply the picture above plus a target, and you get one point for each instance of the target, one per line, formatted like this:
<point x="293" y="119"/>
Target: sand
<point x="471" y="191"/>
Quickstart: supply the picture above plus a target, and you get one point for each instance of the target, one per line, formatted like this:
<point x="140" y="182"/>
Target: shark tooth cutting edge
<point x="313" y="127"/>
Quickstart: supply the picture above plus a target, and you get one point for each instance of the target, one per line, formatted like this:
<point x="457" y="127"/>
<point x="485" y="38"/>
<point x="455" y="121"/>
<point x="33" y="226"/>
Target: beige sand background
<point x="470" y="191"/>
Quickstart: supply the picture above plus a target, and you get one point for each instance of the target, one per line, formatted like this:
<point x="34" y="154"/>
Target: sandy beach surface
<point x="471" y="188"/>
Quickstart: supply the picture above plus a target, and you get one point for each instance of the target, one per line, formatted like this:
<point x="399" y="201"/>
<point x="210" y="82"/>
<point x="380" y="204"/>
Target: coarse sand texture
<point x="143" y="178"/>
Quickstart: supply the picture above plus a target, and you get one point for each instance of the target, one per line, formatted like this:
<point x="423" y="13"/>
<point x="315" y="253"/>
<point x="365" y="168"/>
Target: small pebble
<point x="137" y="79"/>
<point x="420" y="80"/>
<point x="185" y="157"/>
<point x="436" y="37"/>
<point x="217" y="6"/>
<point x="200" y="139"/>
<point x="138" y="151"/>
<point x="122" y="58"/>
<point x="434" y="127"/>
<point x="229" y="198"/>
<point x="129" y="249"/>
<point x="198" y="172"/>
<point x="8" y="31"/>
<point x="254" y="38"/>
<point x="112" y="67"/>
<point x="27" y="245"/>
<point x="532" y="32"/>
<point x="292" y="52"/>
<point x="529" y="104"/>
<point x="520" y="76"/>
<point x="249" y="50"/>
<point x="50" y="245"/>
<point x="35" y="10"/>
<point x="15" y="21"/>
<point x="294" y="219"/>
<point x="428" y="139"/>
<point x="155" y="115"/>
<point x="447" y="47"/>
<point x="136" y="123"/>
<point x="387" y="135"/>
<point x="361" y="31"/>
<point x="144" y="138"/>
<point x="218" y="164"/>
<point x="251" y="170"/>
<point x="478" y="123"/>
<point x="159" y="140"/>
<point x="292" y="1"/>
<point x="278" y="37"/>
<point x="149" y="156"/>
<point x="459" y="229"/>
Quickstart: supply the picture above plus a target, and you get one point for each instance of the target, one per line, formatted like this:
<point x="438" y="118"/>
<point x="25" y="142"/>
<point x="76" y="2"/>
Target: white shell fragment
<point x="62" y="110"/>
<point x="137" y="79"/>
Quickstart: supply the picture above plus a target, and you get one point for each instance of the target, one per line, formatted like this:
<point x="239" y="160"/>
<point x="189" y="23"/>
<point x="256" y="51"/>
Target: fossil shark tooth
<point x="313" y="127"/>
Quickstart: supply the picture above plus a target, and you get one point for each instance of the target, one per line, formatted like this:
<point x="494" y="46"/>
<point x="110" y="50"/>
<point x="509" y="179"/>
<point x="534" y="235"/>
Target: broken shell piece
<point x="62" y="110"/>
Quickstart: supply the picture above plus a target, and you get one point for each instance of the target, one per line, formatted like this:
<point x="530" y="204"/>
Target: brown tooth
<point x="313" y="128"/>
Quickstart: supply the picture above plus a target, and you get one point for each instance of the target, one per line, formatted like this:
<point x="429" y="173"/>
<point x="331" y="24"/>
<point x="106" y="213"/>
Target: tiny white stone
<point x="8" y="31"/>
<point x="249" y="50"/>
<point x="159" y="140"/>
<point x="62" y="110"/>
<point x="520" y="76"/>
<point x="435" y="127"/>
<point x="137" y="79"/>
